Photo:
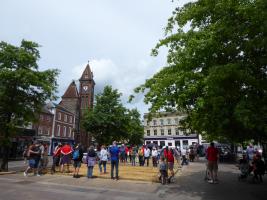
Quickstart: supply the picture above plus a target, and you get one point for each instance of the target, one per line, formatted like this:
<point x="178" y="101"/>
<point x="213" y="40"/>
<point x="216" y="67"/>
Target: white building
<point x="164" y="130"/>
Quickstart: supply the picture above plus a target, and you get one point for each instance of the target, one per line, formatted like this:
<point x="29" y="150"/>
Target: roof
<point x="63" y="108"/>
<point x="72" y="91"/>
<point x="87" y="73"/>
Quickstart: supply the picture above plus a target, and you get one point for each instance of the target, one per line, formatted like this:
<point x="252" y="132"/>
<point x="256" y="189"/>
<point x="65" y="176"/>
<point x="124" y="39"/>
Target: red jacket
<point x="168" y="154"/>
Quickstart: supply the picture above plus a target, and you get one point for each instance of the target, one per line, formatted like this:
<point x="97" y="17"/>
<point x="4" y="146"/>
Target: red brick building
<point x="62" y="122"/>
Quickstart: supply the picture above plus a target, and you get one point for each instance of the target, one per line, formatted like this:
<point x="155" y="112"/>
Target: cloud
<point x="121" y="77"/>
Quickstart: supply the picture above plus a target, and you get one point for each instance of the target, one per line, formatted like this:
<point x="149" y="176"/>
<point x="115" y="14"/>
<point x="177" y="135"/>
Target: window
<point x="162" y="131"/>
<point x="49" y="118"/>
<point x="155" y="122"/>
<point x="41" y="117"/>
<point x="64" y="131"/>
<point x="177" y="143"/>
<point x="176" y="120"/>
<point x="148" y="142"/>
<point x="48" y="131"/>
<point x="70" y="119"/>
<point x="65" y="118"/>
<point x="169" y="144"/>
<point x="161" y="122"/>
<point x="59" y="116"/>
<point x="169" y="121"/>
<point x="176" y="131"/>
<point x="70" y="131"/>
<point x="155" y="132"/>
<point x="58" y="130"/>
<point x="147" y="123"/>
<point x="40" y="130"/>
<point x="162" y="143"/>
<point x="148" y="132"/>
<point x="185" y="143"/>
<point x="155" y="142"/>
<point x="169" y="131"/>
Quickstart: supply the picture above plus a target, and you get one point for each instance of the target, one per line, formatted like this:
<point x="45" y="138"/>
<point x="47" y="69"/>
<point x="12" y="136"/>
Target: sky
<point x="115" y="36"/>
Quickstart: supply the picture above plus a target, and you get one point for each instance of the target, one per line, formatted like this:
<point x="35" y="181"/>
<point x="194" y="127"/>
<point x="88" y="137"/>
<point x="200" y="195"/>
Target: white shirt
<point x="154" y="153"/>
<point x="147" y="152"/>
<point x="183" y="152"/>
<point x="103" y="155"/>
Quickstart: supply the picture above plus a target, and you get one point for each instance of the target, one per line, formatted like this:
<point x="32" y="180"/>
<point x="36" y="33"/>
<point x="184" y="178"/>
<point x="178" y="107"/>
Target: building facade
<point x="62" y="122"/>
<point x="164" y="130"/>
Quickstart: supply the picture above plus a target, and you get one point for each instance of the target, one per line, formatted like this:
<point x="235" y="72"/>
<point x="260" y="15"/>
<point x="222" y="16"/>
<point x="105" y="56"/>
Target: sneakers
<point x="210" y="181"/>
<point x="25" y="174"/>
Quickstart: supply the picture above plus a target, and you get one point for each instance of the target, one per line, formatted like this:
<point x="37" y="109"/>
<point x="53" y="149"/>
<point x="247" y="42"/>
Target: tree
<point x="134" y="129"/>
<point x="216" y="68"/>
<point x="109" y="120"/>
<point x="106" y="121"/>
<point x="23" y="89"/>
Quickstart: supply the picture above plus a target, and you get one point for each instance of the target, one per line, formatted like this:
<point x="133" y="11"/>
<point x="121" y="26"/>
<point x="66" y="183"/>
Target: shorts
<point x="77" y="163"/>
<point x="65" y="160"/>
<point x="212" y="165"/>
<point x="33" y="163"/>
<point x="170" y="165"/>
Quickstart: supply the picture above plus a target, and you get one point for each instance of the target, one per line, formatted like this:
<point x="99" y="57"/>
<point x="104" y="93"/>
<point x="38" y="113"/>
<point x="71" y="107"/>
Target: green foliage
<point x="109" y="120"/>
<point x="23" y="88"/>
<point x="216" y="68"/>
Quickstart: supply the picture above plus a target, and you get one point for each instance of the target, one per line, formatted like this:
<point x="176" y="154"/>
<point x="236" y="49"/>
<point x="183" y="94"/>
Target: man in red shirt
<point x="212" y="156"/>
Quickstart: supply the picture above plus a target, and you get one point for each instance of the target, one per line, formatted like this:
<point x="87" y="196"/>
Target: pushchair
<point x="244" y="168"/>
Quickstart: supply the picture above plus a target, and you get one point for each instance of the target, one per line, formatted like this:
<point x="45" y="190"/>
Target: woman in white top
<point x="154" y="157"/>
<point x="103" y="159"/>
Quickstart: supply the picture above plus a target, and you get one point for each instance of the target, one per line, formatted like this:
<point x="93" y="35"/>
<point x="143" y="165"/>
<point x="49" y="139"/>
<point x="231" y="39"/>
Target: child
<point x="163" y="170"/>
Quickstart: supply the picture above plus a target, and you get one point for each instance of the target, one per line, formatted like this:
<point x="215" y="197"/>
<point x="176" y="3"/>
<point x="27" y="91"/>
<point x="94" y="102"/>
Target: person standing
<point x="146" y="155"/>
<point x="213" y="156"/>
<point x="56" y="157"/>
<point x="141" y="156"/>
<point x="250" y="153"/>
<point x="133" y="153"/>
<point x="154" y="157"/>
<point x="90" y="160"/>
<point x="103" y="159"/>
<point x="77" y="157"/>
<point x="123" y="154"/>
<point x="114" y="154"/>
<point x="34" y="158"/>
<point x="66" y="151"/>
<point x="168" y="154"/>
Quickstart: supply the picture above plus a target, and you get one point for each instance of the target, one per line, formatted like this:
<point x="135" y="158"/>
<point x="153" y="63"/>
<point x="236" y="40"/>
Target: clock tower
<point x="87" y="85"/>
<point x="86" y="93"/>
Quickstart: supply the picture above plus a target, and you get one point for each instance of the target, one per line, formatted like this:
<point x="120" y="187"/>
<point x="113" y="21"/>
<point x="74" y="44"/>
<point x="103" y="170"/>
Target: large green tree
<point x="216" y="68"/>
<point x="109" y="120"/>
<point x="135" y="130"/>
<point x="23" y="89"/>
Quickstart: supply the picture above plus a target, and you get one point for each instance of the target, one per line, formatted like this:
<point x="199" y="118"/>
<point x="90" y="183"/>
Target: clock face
<point x="85" y="88"/>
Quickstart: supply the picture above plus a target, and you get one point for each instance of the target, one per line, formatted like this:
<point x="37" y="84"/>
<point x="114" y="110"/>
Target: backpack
<point x="76" y="154"/>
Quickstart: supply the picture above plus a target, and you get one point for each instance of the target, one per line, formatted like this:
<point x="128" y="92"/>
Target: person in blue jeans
<point x="114" y="156"/>
<point x="91" y="161"/>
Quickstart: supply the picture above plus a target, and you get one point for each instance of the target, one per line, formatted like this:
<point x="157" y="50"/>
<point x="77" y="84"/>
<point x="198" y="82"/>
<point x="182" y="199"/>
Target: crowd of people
<point x="65" y="154"/>
<point x="162" y="158"/>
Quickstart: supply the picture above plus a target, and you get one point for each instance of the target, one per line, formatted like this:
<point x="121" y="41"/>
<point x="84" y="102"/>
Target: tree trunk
<point x="4" y="164"/>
